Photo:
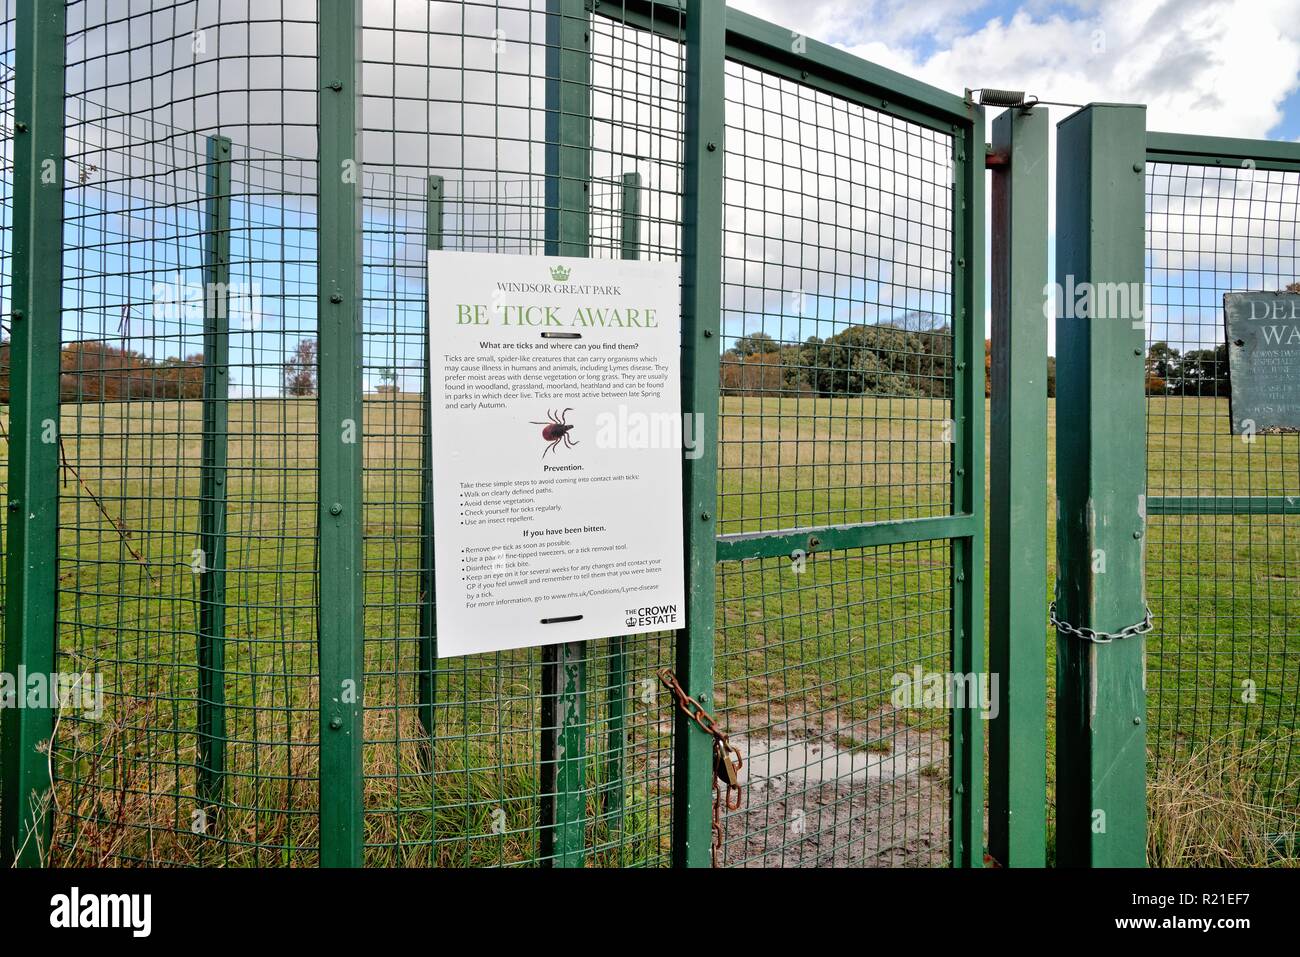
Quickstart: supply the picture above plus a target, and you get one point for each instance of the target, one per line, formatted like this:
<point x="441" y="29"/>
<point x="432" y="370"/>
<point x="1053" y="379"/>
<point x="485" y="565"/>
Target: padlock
<point x="724" y="767"/>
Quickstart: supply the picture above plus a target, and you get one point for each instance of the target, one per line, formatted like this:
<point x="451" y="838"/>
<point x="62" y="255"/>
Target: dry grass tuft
<point x="1219" y="808"/>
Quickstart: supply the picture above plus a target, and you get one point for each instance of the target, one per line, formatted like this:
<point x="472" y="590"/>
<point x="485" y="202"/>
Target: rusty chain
<point x="727" y="759"/>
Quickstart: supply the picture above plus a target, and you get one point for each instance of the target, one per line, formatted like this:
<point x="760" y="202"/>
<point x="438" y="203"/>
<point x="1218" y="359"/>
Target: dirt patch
<point x="814" y="800"/>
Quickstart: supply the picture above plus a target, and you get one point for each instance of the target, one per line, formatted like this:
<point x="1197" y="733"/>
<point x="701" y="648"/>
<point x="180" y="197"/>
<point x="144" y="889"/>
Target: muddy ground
<point x="859" y="797"/>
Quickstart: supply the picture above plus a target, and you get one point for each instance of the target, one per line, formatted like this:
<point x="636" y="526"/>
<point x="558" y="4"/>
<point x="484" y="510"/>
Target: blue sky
<point x="1289" y="128"/>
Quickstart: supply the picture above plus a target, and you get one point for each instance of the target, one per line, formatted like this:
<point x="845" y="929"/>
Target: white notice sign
<point x="557" y="449"/>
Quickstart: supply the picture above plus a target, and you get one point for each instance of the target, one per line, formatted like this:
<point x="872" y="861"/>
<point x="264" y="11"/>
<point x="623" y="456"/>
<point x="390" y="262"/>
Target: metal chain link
<point x="727" y="759"/>
<point x="1102" y="637"/>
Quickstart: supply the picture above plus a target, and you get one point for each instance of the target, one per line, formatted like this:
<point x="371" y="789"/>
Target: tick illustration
<point x="556" y="431"/>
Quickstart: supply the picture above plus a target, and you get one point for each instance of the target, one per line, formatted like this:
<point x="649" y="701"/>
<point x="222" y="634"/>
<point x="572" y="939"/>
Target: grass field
<point x="806" y="652"/>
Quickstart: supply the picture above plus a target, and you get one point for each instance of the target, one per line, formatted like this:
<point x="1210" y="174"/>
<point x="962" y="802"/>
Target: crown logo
<point x="559" y="273"/>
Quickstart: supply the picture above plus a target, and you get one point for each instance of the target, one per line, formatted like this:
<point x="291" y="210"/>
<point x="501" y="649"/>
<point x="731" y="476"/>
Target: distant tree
<point x="1051" y="377"/>
<point x="94" y="371"/>
<point x="300" y="369"/>
<point x="1162" y="361"/>
<point x="1203" y="372"/>
<point x="760" y="373"/>
<point x="755" y="342"/>
<point x="387" y="380"/>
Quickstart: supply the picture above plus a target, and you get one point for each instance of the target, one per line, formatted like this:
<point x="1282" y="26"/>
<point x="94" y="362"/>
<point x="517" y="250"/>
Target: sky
<point x="829" y="219"/>
<point x="1216" y="67"/>
<point x="1211" y="67"/>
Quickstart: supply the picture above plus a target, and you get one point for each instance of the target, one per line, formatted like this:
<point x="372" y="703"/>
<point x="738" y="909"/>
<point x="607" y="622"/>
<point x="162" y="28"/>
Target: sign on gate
<point x="1263" y="360"/>
<point x="557" y="444"/>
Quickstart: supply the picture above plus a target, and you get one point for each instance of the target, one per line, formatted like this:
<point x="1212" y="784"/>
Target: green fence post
<point x="428" y="641"/>
<point x="36" y="322"/>
<point x="1100" y="467"/>
<point x="612" y="797"/>
<point x="563" y="803"/>
<point x="705" y="146"/>
<point x="211" y="723"/>
<point x="1018" y="492"/>
<point x="967" y="641"/>
<point x="630" y="217"/>
<point x="342" y="655"/>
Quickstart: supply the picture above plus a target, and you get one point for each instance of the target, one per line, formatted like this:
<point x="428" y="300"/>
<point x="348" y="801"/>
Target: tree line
<point x="861" y="360"/>
<point x="1201" y="372"/>
<point x="884" y="360"/>
<point x="95" y="371"/>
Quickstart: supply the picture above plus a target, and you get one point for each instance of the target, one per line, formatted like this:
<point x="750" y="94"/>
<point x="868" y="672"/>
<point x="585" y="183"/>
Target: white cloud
<point x="893" y="22"/>
<point x="1220" y="67"/>
<point x="1213" y="67"/>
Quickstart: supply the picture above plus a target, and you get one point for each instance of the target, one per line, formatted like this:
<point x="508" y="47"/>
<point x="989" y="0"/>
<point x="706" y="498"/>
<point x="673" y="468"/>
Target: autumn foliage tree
<point x="300" y="369"/>
<point x="760" y="373"/>
<point x="96" y="371"/>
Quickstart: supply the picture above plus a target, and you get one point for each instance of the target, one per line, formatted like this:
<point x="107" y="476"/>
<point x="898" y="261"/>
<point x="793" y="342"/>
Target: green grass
<point x="802" y="651"/>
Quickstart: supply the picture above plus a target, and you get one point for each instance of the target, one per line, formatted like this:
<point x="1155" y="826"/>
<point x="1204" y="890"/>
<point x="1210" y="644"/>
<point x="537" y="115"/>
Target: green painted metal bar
<point x="35" y="324"/>
<point x="630" y="216"/>
<point x="1223" y="505"/>
<point x="775" y="49"/>
<point x="1018" y="492"/>
<point x="1100" y="467"/>
<point x="967" y="641"/>
<point x="211" y="722"/>
<point x="702" y="222"/>
<point x="342" y="663"/>
<point x="616" y="740"/>
<point x="568" y="233"/>
<point x="433" y="232"/>
<point x="1181" y="148"/>
<point x="749" y="545"/>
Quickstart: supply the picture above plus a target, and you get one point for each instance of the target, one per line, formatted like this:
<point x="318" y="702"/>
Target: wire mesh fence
<point x="1224" y="542"/>
<point x="189" y="557"/>
<point x="139" y="392"/>
<point x="190" y="570"/>
<point x="7" y="75"/>
<point x="128" y="780"/>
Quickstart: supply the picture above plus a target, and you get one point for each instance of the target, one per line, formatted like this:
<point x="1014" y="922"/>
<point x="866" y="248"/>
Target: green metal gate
<point x="850" y="457"/>
<point x="831" y="214"/>
<point x="232" y="529"/>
